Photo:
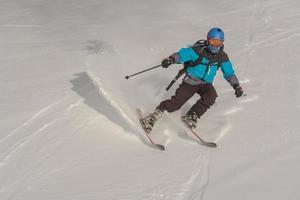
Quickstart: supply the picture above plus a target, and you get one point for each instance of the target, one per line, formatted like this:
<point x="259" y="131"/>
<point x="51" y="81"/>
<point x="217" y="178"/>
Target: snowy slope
<point x="68" y="128"/>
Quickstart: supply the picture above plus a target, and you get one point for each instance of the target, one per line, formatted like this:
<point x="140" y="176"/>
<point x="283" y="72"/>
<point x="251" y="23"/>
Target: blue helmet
<point x="215" y="33"/>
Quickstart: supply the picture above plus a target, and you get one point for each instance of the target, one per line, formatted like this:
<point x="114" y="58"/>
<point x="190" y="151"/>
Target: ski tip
<point x="211" y="144"/>
<point x="160" y="147"/>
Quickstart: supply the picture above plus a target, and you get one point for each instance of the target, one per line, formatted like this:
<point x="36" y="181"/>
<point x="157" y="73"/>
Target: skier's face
<point x="215" y="42"/>
<point x="214" y="45"/>
<point x="214" y="50"/>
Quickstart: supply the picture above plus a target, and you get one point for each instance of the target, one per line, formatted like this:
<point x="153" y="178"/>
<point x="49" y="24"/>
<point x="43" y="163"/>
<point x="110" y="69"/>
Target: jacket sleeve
<point x="184" y="55"/>
<point x="229" y="74"/>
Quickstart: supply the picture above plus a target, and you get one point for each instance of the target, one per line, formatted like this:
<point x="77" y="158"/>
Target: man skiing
<point x="202" y="61"/>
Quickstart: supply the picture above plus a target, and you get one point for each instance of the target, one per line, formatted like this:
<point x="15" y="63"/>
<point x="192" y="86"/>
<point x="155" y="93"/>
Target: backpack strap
<point x="202" y="52"/>
<point x="198" y="47"/>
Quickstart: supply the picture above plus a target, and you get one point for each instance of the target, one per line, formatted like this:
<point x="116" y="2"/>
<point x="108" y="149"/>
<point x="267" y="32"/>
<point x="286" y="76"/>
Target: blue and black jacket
<point x="202" y="66"/>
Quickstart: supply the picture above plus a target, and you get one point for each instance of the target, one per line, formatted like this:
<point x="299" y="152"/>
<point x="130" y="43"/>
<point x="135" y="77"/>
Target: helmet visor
<point x="215" y="42"/>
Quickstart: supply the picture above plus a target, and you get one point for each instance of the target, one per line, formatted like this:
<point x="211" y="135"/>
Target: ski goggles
<point x="215" y="42"/>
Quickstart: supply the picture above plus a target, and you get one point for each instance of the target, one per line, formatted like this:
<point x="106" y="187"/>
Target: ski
<point x="140" y="117"/>
<point x="208" y="144"/>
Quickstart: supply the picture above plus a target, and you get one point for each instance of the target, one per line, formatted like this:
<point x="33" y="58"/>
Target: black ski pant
<point x="184" y="92"/>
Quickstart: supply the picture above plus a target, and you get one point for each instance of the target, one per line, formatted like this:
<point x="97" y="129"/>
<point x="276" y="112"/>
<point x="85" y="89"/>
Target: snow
<point x="68" y="128"/>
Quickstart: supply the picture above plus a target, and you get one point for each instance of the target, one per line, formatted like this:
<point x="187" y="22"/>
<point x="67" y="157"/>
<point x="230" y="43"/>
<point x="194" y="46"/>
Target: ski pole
<point x="128" y="76"/>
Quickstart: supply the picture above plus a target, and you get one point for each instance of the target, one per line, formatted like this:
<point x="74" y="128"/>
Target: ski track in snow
<point x="50" y="116"/>
<point x="195" y="186"/>
<point x="21" y="143"/>
<point x="65" y="103"/>
<point x="26" y="123"/>
<point x="20" y="26"/>
<point x="18" y="187"/>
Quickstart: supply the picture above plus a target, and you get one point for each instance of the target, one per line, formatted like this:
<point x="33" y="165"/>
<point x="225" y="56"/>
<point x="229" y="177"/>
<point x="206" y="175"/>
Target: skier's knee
<point x="174" y="107"/>
<point x="208" y="102"/>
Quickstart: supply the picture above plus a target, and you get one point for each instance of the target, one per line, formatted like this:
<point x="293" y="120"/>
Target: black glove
<point x="165" y="63"/>
<point x="238" y="90"/>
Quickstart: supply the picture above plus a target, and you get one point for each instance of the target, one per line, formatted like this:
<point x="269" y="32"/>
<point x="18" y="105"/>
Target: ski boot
<point x="149" y="121"/>
<point x="190" y="120"/>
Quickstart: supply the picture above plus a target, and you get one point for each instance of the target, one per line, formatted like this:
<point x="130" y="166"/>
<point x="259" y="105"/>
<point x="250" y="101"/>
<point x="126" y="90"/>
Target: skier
<point x="202" y="61"/>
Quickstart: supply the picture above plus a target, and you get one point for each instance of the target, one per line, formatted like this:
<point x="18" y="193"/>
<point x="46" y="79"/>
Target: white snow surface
<point x="68" y="129"/>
